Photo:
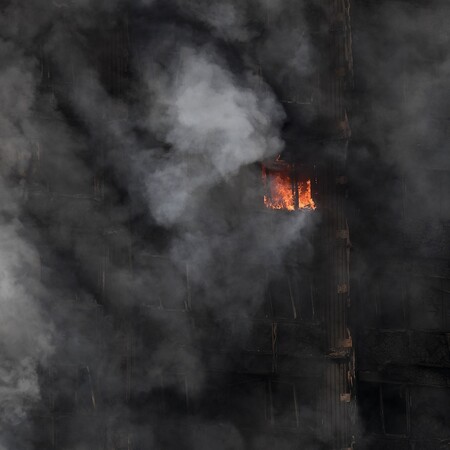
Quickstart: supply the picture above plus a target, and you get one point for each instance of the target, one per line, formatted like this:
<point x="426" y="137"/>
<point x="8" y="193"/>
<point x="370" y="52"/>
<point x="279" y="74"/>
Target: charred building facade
<point x="403" y="262"/>
<point x="181" y="183"/>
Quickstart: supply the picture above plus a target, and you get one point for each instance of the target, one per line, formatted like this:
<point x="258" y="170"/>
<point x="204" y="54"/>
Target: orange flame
<point x="284" y="192"/>
<point x="304" y="195"/>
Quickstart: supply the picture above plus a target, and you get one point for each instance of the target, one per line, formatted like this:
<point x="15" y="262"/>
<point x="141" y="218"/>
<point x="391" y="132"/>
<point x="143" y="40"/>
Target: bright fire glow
<point x="284" y="192"/>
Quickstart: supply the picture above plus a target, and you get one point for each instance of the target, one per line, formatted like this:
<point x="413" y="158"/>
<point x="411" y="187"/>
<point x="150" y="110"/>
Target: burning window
<point x="285" y="189"/>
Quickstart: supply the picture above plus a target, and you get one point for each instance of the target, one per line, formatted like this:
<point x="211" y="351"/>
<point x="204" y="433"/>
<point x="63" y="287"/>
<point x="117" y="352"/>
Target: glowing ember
<point x="285" y="192"/>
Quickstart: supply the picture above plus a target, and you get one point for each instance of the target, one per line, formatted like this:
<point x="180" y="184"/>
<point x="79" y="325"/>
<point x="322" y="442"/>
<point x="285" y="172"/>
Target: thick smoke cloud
<point x="402" y="130"/>
<point x="170" y="152"/>
<point x="215" y="126"/>
<point x="399" y="165"/>
<point x="26" y="334"/>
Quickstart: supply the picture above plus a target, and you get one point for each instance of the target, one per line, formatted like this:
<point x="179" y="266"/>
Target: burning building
<point x="285" y="189"/>
<point x="401" y="270"/>
<point x="179" y="182"/>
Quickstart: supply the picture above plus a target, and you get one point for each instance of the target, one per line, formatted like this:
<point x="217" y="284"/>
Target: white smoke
<point x="215" y="124"/>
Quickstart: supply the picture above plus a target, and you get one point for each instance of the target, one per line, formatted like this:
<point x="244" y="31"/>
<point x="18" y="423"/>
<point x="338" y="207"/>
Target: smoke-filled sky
<point x="131" y="133"/>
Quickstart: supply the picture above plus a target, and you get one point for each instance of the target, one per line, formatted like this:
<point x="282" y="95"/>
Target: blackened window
<point x="384" y="408"/>
<point x="394" y="408"/>
<point x="369" y="395"/>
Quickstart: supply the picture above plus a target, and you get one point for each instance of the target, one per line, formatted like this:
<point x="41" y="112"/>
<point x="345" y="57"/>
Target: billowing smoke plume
<point x="123" y="198"/>
<point x="214" y="125"/>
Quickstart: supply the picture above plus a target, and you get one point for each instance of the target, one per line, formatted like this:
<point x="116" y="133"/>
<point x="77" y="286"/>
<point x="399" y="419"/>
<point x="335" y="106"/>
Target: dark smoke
<point x="136" y="256"/>
<point x="399" y="169"/>
<point x="116" y="194"/>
